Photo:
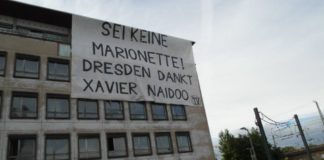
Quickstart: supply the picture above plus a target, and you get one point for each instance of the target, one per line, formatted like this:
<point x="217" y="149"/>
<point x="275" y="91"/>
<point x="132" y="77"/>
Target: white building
<point x="40" y="121"/>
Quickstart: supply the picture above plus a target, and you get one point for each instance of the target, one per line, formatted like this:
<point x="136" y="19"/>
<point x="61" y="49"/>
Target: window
<point x="2" y="63"/>
<point x="137" y="111"/>
<point x="159" y="111"/>
<point x="64" y="50"/>
<point x="58" y="106"/>
<point x="183" y="142"/>
<point x="141" y="144"/>
<point x="163" y="143"/>
<point x="21" y="147"/>
<point x="57" y="147"/>
<point x="58" y="69"/>
<point x="114" y="110"/>
<point x="89" y="147"/>
<point x="27" y="66"/>
<point x="24" y="105"/>
<point x="87" y="109"/>
<point x="178" y="112"/>
<point x="117" y="145"/>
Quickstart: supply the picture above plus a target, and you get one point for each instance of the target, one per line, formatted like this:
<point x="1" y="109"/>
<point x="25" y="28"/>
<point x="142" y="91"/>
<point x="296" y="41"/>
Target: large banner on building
<point x="115" y="62"/>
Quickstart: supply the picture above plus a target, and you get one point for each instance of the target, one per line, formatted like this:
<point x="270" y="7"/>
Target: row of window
<point x="58" y="147"/>
<point x="24" y="105"/>
<point x="28" y="66"/>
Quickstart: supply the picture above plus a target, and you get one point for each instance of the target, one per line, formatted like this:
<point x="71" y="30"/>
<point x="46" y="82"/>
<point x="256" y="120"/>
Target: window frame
<point x="4" y="54"/>
<point x="156" y="134"/>
<point x="112" y="118"/>
<point x="150" y="144"/>
<point x="21" y="137"/>
<point x="59" y="61"/>
<point x="57" y="136"/>
<point x="58" y="96"/>
<point x="184" y="110"/>
<point x="23" y="94"/>
<point x="27" y="57"/>
<point x="189" y="137"/>
<point x="117" y="135"/>
<point x="97" y="105"/>
<point x="83" y="135"/>
<point x="130" y="110"/>
<point x="165" y="112"/>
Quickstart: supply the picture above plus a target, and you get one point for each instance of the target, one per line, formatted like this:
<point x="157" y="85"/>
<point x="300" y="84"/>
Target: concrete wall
<point x="196" y="122"/>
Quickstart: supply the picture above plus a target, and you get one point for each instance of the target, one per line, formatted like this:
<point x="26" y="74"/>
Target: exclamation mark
<point x="182" y="64"/>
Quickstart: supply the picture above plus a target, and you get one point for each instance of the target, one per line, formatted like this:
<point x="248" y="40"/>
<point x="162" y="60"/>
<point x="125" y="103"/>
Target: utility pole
<point x="263" y="135"/>
<point x="252" y="150"/>
<point x="303" y="138"/>
<point x="319" y="111"/>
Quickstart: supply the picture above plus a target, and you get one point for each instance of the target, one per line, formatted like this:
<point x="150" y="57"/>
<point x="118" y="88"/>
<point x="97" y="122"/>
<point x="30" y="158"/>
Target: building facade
<point x="40" y="121"/>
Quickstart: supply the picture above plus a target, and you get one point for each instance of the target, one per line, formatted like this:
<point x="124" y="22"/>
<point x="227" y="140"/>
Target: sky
<point x="249" y="53"/>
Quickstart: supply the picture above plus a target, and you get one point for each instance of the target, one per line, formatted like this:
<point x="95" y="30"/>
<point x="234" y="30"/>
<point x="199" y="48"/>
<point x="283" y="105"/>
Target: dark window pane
<point x="27" y="148"/>
<point x="20" y="65"/>
<point x="24" y="107"/>
<point x="111" y="144"/>
<point x="31" y="67"/>
<point x="57" y="149"/>
<point x="159" y="112"/>
<point x="2" y="64"/>
<point x="87" y="109"/>
<point x="57" y="107"/>
<point x="114" y="110"/>
<point x="163" y="143"/>
<point x="89" y="147"/>
<point x="178" y="112"/>
<point x="141" y="144"/>
<point x="27" y="67"/>
<point x="117" y="145"/>
<point x="21" y="148"/>
<point x="183" y="141"/>
<point x="137" y="111"/>
<point x="13" y="150"/>
<point x="58" y="70"/>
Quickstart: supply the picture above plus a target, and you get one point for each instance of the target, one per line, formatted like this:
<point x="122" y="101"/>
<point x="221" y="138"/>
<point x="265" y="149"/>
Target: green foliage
<point x="238" y="148"/>
<point x="289" y="149"/>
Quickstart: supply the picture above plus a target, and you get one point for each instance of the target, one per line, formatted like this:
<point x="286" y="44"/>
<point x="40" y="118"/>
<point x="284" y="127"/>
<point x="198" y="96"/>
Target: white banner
<point x="116" y="62"/>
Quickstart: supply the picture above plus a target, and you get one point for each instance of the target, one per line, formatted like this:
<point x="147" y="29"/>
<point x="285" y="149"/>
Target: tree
<point x="289" y="149"/>
<point x="237" y="148"/>
<point x="227" y="146"/>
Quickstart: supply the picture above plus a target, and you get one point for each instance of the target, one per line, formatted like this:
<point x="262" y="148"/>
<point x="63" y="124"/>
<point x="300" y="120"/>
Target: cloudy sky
<point x="249" y="53"/>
